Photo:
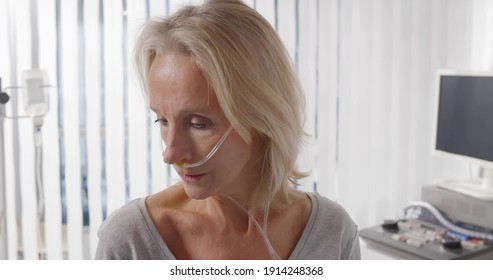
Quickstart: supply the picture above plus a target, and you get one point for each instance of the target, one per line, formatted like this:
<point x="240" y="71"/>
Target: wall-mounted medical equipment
<point x="35" y="92"/>
<point x="36" y="102"/>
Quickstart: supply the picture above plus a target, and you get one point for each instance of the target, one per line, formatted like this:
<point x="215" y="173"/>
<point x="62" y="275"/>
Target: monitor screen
<point x="465" y="115"/>
<point x="464" y="127"/>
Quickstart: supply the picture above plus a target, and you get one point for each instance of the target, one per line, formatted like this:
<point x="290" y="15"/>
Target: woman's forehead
<point x="177" y="83"/>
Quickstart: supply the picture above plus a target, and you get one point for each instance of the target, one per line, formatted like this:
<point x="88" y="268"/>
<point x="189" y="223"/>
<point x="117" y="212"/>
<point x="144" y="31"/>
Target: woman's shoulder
<point x="128" y="233"/>
<point x="125" y="217"/>
<point x="329" y="210"/>
<point x="136" y="213"/>
<point x="332" y="230"/>
<point x="123" y="230"/>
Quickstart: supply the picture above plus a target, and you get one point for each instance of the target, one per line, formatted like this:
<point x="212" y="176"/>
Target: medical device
<point x="207" y="157"/>
<point x="35" y="97"/>
<point x="454" y="218"/>
<point x="36" y="101"/>
<point x="464" y="127"/>
<point x="263" y="231"/>
<point x="35" y="92"/>
<point x="426" y="232"/>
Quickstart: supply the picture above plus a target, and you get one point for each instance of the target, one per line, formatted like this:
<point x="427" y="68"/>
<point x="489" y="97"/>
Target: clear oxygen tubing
<point x="207" y="157"/>
<point x="446" y="223"/>
<point x="263" y="231"/>
<point x="38" y="146"/>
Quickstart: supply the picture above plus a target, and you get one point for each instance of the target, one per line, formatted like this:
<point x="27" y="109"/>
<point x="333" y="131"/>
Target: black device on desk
<point x="429" y="236"/>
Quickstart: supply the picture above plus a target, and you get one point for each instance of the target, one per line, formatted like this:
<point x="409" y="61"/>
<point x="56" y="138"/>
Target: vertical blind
<point x="367" y="69"/>
<point x="390" y="52"/>
<point x="99" y="145"/>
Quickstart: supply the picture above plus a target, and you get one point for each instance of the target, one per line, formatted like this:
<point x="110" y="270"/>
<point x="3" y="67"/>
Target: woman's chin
<point x="195" y="192"/>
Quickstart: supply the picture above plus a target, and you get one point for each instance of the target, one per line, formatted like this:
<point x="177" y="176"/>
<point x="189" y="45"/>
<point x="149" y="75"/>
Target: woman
<point x="230" y="110"/>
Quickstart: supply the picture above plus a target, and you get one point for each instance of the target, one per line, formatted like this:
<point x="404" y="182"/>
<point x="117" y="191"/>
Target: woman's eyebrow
<point x="152" y="109"/>
<point x="204" y="111"/>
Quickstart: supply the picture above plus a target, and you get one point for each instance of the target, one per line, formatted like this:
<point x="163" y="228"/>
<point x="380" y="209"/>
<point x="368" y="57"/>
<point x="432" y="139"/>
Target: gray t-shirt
<point x="129" y="233"/>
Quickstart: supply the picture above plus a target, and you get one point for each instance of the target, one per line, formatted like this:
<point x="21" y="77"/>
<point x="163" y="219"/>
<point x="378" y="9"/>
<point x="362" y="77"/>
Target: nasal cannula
<point x="207" y="157"/>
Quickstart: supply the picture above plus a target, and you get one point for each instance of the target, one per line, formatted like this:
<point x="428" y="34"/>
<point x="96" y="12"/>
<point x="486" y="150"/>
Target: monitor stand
<point x="480" y="188"/>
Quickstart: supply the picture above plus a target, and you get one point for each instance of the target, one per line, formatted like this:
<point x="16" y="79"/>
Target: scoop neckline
<point x="298" y="249"/>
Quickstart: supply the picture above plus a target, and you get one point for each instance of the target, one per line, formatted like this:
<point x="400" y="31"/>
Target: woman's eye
<point x="162" y="122"/>
<point x="199" y="125"/>
<point x="199" y="122"/>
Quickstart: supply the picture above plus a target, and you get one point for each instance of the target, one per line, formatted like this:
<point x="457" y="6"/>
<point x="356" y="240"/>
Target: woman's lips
<point x="191" y="178"/>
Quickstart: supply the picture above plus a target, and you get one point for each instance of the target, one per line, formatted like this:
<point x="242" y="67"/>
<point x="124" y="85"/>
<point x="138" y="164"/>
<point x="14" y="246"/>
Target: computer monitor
<point x="464" y="127"/>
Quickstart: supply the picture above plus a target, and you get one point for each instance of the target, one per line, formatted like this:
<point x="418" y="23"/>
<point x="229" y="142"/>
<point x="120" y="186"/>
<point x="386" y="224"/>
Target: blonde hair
<point x="251" y="74"/>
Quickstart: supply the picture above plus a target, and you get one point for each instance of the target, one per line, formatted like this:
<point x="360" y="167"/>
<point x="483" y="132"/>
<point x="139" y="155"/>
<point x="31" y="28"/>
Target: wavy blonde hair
<point x="251" y="74"/>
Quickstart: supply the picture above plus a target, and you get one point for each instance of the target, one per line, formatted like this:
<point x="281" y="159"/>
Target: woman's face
<point x="191" y="124"/>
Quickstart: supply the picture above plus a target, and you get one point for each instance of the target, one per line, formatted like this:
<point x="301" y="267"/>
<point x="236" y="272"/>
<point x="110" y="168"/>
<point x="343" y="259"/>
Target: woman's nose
<point x="176" y="148"/>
